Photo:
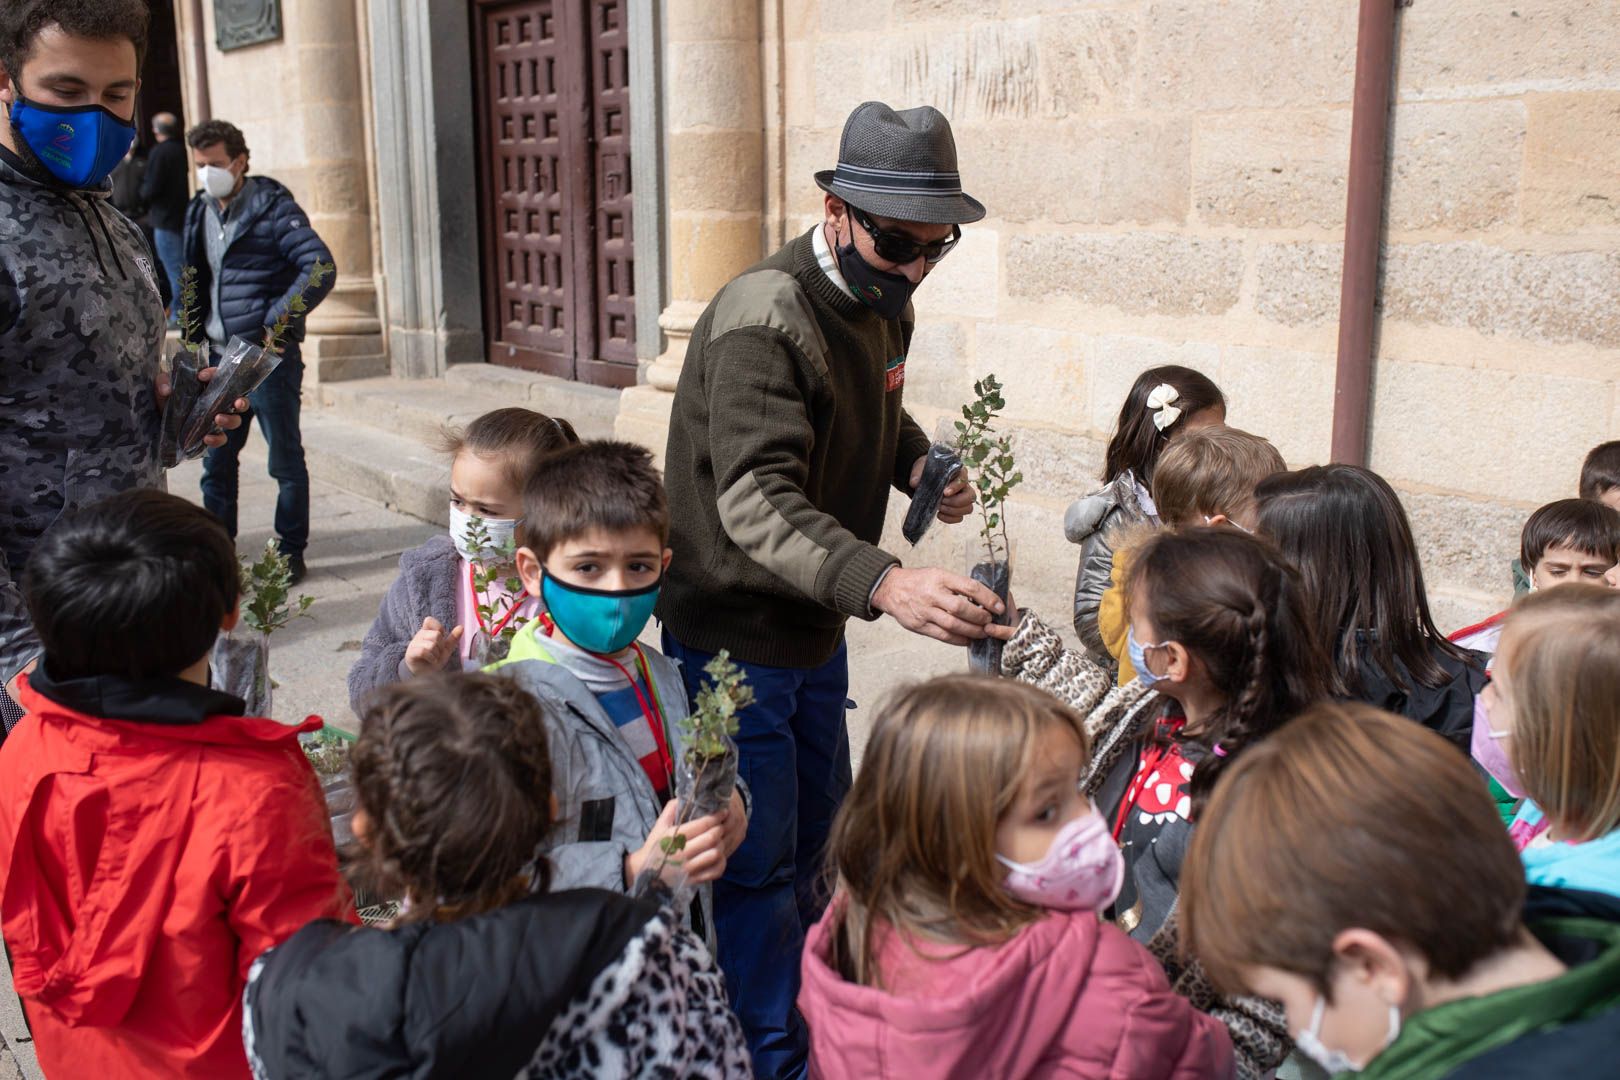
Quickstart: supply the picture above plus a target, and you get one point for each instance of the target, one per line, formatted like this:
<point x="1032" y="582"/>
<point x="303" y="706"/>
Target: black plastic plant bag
<point x="184" y="390"/>
<point x="941" y="465"/>
<point x="241" y="370"/>
<point x="984" y="654"/>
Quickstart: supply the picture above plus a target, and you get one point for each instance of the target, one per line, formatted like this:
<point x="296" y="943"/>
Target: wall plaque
<point x="238" y="23"/>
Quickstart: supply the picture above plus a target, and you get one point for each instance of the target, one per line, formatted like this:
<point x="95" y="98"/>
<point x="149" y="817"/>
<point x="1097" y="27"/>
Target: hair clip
<point x="1164" y="413"/>
<point x="1219" y="750"/>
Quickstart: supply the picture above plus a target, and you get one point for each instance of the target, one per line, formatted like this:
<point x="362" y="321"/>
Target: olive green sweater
<point x="786" y="436"/>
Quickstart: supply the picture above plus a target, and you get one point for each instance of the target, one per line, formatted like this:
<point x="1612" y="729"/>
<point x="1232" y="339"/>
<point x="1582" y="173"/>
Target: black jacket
<point x="166" y="187"/>
<point x="269" y="259"/>
<point x="580" y="983"/>
<point x="1447" y="709"/>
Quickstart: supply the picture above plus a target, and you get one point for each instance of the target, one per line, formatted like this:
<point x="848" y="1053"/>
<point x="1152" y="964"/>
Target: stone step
<point x="402" y="472"/>
<point x="591" y="409"/>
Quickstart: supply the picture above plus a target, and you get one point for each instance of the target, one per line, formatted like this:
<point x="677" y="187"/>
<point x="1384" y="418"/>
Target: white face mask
<point x="216" y="181"/>
<point x="1310" y="1042"/>
<point x="502" y="533"/>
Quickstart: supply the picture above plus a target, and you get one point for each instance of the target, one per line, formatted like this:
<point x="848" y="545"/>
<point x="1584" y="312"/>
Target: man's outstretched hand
<point x="957" y="502"/>
<point x="224" y="421"/>
<point x="944" y="606"/>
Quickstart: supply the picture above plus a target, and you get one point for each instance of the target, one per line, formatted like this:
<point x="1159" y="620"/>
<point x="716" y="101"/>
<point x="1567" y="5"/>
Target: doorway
<point x="552" y="85"/>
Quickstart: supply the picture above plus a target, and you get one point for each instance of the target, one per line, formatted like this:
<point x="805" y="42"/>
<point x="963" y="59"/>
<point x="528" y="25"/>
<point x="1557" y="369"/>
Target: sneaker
<point x="295" y="564"/>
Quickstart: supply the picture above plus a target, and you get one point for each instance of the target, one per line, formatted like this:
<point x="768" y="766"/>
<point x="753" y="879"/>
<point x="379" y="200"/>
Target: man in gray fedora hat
<point x="786" y="437"/>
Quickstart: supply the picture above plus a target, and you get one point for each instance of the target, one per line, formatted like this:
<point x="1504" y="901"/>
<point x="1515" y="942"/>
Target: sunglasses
<point x="901" y="249"/>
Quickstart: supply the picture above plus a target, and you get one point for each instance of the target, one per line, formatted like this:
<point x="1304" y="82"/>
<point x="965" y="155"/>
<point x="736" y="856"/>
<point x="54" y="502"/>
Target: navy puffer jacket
<point x="272" y="249"/>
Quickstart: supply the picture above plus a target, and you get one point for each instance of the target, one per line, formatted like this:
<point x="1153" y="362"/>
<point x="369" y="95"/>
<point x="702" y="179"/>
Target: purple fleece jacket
<point x="426" y="586"/>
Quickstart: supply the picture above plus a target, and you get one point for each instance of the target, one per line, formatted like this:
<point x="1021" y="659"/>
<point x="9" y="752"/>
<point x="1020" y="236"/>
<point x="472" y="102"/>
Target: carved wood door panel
<point x="553" y="102"/>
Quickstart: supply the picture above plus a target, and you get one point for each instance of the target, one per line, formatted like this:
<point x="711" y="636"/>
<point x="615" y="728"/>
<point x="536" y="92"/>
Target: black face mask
<point x="884" y="292"/>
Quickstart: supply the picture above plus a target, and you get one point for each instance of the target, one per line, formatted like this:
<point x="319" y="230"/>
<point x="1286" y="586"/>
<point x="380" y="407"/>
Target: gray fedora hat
<point x="900" y="165"/>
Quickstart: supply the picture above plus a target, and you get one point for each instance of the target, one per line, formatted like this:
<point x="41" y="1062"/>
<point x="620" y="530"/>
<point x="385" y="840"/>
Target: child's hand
<point x="431" y="648"/>
<point x="736" y="825"/>
<point x="703" y="856"/>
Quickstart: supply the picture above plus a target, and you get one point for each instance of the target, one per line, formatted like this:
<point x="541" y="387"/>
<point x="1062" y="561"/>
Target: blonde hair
<point x="1563" y="668"/>
<point x="914" y="846"/>
<point x="1212" y="470"/>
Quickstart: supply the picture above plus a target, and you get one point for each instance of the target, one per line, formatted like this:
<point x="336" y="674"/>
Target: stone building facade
<point x="1166" y="182"/>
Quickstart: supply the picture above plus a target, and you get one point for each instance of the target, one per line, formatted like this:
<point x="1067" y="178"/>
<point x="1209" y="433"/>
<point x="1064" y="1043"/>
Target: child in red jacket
<point x="964" y="938"/>
<point x="153" y="840"/>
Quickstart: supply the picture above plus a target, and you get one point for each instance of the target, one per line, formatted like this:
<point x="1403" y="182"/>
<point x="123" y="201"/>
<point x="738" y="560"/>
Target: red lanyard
<point x="1152" y="757"/>
<point x="650" y="708"/>
<point x="472" y="581"/>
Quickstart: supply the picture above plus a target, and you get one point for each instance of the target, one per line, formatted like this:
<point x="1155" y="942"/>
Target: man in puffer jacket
<point x="254" y="250"/>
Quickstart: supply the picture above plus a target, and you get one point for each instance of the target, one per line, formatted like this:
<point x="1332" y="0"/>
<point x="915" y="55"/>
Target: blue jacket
<point x="270" y="253"/>
<point x="1593" y="866"/>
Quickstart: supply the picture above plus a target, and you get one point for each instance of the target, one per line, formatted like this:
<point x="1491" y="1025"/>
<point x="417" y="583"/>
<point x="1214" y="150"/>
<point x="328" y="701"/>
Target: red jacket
<point x="145" y="863"/>
<point x="1067" y="996"/>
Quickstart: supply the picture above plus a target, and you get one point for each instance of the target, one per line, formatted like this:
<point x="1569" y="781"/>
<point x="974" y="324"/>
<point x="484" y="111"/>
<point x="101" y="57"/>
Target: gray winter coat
<point x="426" y="586"/>
<point x="606" y="805"/>
<point x="1095" y="523"/>
<point x="81" y="334"/>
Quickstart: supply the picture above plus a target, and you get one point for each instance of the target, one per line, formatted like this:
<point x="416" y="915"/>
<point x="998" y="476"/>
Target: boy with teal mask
<point x="592" y="548"/>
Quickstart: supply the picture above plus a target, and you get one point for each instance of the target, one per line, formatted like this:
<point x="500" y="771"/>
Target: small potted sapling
<point x="706" y="767"/>
<point x="241" y="660"/>
<point x="242" y="368"/>
<point x="988" y="459"/>
<point x="497" y="613"/>
<point x="182" y="369"/>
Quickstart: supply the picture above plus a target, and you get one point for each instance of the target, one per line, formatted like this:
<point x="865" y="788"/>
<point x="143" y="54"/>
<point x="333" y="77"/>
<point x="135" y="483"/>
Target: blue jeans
<point x="276" y="404"/>
<point x="793" y="751"/>
<point x="171" y="253"/>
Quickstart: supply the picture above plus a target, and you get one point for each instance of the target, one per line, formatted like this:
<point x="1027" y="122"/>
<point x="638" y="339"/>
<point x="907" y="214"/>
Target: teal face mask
<point x="598" y="620"/>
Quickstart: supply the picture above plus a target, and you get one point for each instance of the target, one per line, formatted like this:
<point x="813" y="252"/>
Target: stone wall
<point x="1166" y="182"/>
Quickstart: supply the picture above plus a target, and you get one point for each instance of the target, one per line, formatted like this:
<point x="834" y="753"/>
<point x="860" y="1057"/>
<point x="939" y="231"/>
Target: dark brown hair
<point x="1600" y="472"/>
<point x="521" y="438"/>
<point x="1586" y="525"/>
<point x="1348" y="817"/>
<point x="914" y="845"/>
<point x="209" y="132"/>
<point x="612" y="486"/>
<point x="1230" y="600"/>
<point x="1345" y="531"/>
<point x="1209" y="471"/>
<point x="454" y="774"/>
<point x="134" y="585"/>
<point x="1137" y="443"/>
<point x="99" y="20"/>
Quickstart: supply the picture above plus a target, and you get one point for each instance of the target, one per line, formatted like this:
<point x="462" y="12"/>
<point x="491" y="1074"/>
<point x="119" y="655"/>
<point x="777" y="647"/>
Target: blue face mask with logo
<point x="600" y="621"/>
<point x="79" y="144"/>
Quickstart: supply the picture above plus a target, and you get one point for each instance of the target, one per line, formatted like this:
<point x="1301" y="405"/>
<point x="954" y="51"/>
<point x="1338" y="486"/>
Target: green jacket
<point x="1446" y="1040"/>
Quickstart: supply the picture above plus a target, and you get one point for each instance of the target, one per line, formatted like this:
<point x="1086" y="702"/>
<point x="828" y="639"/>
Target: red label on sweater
<point x="895" y="377"/>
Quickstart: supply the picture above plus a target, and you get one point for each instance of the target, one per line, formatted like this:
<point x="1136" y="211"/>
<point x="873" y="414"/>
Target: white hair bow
<point x="1164" y="413"/>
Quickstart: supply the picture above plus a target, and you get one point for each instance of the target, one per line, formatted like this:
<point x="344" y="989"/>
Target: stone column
<point x="714" y="154"/>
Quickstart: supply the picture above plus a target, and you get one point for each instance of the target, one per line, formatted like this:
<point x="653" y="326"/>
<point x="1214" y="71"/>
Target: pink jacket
<point x="1067" y="997"/>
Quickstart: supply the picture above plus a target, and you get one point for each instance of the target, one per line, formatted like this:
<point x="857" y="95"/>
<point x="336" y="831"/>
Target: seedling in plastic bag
<point x="988" y="458"/>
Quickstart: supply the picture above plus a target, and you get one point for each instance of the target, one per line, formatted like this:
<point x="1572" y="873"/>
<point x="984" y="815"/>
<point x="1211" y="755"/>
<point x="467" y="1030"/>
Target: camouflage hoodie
<point x="81" y="331"/>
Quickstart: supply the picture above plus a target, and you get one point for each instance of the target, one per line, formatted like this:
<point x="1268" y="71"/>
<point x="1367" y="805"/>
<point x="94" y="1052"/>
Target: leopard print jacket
<point x="1115" y="718"/>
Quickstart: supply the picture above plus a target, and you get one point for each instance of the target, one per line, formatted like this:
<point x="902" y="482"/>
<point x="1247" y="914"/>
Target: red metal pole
<point x="1363" y="229"/>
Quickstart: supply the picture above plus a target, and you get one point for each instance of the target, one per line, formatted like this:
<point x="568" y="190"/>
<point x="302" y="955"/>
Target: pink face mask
<point x="1081" y="871"/>
<point x="1486" y="746"/>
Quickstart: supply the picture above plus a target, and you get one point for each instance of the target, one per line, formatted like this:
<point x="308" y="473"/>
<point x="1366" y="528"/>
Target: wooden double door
<point x="553" y="88"/>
